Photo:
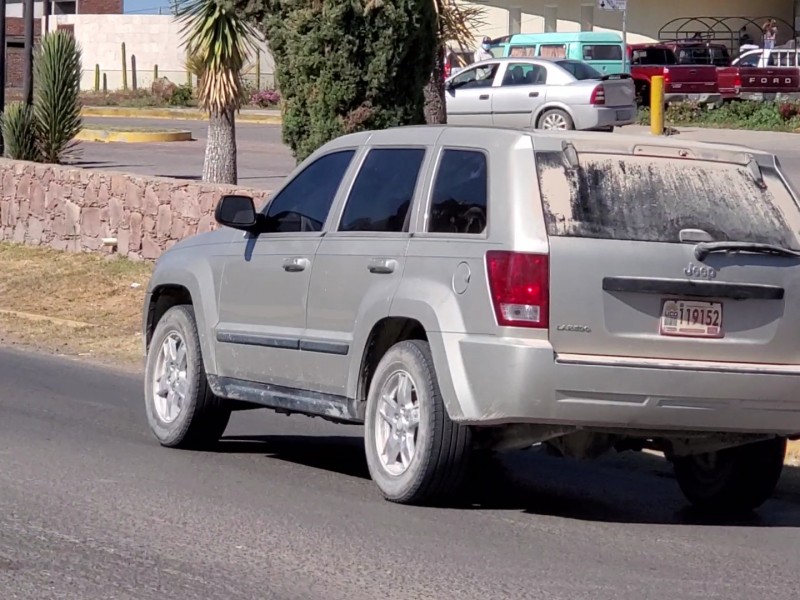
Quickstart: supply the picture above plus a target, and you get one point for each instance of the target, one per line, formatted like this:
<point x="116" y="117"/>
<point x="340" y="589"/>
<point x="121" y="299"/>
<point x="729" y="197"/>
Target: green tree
<point x="347" y="65"/>
<point x="218" y="41"/>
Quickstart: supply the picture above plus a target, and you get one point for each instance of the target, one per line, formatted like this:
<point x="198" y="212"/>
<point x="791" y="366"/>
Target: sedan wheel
<point x="555" y="120"/>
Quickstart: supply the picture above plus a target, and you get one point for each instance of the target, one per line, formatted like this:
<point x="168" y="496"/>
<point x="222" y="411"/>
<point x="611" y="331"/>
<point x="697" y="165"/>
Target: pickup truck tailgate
<point x="691" y="79"/>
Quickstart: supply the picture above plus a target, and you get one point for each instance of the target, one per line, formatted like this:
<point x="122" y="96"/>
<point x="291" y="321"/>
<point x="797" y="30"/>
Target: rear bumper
<point x="704" y="98"/>
<point x="498" y="380"/>
<point x="591" y="117"/>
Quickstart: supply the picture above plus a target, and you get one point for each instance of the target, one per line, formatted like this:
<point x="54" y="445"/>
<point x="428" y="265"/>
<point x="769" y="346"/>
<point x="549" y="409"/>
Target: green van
<point x="602" y="50"/>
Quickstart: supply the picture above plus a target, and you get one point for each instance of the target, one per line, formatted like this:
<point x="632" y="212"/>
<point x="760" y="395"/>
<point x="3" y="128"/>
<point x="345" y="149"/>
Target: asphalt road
<point x="264" y="160"/>
<point x="92" y="508"/>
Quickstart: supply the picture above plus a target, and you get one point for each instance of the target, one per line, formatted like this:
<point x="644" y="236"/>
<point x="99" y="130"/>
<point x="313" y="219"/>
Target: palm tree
<point x="457" y="24"/>
<point x="217" y="41"/>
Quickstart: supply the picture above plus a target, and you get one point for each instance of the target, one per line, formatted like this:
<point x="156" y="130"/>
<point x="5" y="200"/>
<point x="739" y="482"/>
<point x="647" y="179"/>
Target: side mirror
<point x="238" y="212"/>
<point x="449" y="86"/>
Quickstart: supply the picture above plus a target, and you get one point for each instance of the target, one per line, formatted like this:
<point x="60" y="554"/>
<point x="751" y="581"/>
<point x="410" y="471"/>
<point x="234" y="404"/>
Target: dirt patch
<point x="92" y="303"/>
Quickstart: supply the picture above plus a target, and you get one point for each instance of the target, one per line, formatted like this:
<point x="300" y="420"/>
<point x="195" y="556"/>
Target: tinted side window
<point x="383" y="190"/>
<point x="460" y="193"/>
<point x="602" y="52"/>
<point x="303" y="205"/>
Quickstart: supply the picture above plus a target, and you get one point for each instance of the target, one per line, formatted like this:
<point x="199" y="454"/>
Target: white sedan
<point x="542" y="93"/>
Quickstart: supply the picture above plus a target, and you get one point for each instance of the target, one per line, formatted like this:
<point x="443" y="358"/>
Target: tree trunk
<point x="220" y="163"/>
<point x="435" y="103"/>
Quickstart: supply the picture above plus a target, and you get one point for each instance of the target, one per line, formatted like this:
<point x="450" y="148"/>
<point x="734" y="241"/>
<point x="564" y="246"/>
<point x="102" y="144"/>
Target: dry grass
<point x="104" y="295"/>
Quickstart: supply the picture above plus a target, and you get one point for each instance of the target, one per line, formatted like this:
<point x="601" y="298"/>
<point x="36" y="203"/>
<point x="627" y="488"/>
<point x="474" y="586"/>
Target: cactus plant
<point x="105" y="83"/>
<point x="97" y="78"/>
<point x="133" y="72"/>
<point x="57" y="104"/>
<point x="124" y="69"/>
<point x="155" y="72"/>
<point x="19" y="132"/>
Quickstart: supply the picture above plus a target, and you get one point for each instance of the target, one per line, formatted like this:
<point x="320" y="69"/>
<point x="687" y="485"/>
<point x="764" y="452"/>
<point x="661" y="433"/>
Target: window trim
<point x="346" y="177"/>
<point x="419" y="187"/>
<point x="426" y="205"/>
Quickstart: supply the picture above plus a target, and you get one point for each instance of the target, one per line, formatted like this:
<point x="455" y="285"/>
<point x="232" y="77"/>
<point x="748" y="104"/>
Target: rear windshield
<point x="653" y="56"/>
<point x="580" y="70"/>
<point x="651" y="199"/>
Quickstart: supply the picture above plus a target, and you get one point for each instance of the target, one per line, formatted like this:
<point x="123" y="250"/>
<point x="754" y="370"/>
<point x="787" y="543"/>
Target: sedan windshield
<point x="579" y="70"/>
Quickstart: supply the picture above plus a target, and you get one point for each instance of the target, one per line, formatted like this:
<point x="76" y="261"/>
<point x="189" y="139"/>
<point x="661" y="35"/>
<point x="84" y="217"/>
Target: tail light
<point x="737" y="81"/>
<point x="520" y="287"/>
<point x="598" y="95"/>
<point x="667" y="76"/>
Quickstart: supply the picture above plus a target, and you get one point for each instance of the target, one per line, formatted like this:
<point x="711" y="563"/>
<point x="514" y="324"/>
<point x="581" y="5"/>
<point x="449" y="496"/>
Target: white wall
<point x="152" y="39"/>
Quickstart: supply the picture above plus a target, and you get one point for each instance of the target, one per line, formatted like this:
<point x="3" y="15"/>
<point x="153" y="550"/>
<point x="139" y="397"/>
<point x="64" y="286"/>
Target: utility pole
<point x="27" y="81"/>
<point x="2" y="67"/>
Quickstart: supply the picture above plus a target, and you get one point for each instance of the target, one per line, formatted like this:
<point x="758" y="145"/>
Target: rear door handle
<point x="295" y="264"/>
<point x="483" y="97"/>
<point x="382" y="266"/>
<point x="533" y="95"/>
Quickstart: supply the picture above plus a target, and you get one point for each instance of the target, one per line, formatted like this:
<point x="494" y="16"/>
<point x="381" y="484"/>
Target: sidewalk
<point x="248" y="115"/>
<point x="773" y="141"/>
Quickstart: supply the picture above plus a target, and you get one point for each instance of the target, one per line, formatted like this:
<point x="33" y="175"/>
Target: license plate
<point x="686" y="318"/>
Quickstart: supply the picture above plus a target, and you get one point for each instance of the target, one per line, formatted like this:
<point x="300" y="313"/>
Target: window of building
<point x="460" y="192"/>
<point x="304" y="204"/>
<point x="383" y="191"/>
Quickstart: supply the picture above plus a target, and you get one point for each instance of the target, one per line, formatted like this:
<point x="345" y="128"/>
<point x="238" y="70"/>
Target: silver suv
<point x="462" y="289"/>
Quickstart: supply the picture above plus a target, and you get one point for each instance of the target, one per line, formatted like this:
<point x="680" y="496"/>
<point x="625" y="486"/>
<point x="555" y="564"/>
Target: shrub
<point x="742" y="114"/>
<point x="343" y="65"/>
<point x="163" y="90"/>
<point x="265" y="98"/>
<point x="19" y="132"/>
<point x="56" y="104"/>
<point x="181" y="96"/>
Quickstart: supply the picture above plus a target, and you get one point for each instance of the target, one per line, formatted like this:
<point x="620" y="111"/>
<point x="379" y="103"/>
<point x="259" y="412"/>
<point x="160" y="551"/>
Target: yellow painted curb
<point x="133" y="137"/>
<point x="171" y="114"/>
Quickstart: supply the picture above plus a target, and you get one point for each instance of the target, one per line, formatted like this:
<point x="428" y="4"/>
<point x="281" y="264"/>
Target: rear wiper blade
<point x="703" y="249"/>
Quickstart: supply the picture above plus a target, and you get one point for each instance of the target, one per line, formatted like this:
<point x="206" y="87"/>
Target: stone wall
<point x="74" y="209"/>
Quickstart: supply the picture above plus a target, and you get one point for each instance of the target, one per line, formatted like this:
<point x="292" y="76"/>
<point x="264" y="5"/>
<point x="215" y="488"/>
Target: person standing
<point x="770" y="28"/>
<point x="482" y="53"/>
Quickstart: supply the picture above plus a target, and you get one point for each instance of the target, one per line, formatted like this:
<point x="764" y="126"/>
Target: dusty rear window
<point x="652" y="198"/>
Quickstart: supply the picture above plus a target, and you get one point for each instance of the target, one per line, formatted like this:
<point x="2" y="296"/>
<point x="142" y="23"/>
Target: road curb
<point x="132" y="137"/>
<point x="174" y="114"/>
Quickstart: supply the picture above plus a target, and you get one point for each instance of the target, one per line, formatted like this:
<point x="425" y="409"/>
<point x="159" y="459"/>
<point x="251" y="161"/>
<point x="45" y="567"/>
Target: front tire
<point x="736" y="479"/>
<point x="182" y="411"/>
<point x="415" y="453"/>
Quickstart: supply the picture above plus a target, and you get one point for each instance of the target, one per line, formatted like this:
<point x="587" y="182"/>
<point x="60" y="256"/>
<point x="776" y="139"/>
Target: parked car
<point x="682" y="82"/>
<point x="599" y="49"/>
<point x="541" y="93"/>
<point x="464" y="288"/>
<point x="763" y="74"/>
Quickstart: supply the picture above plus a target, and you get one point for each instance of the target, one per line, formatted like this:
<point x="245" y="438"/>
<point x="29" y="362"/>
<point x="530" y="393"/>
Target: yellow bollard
<point x="657" y="105"/>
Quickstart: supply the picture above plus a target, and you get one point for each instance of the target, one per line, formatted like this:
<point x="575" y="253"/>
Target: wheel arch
<point x="550" y="106"/>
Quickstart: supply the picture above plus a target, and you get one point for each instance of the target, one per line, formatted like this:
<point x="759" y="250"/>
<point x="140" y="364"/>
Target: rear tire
<point x="415" y="453"/>
<point x="736" y="479"/>
<point x="182" y="411"/>
<point x="556" y="119"/>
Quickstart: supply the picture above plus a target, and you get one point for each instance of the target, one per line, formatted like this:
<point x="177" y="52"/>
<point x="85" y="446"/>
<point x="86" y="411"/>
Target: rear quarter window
<point x="651" y="199"/>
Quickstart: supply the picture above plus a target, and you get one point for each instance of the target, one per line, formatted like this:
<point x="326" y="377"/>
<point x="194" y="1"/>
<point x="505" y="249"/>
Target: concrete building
<point x="647" y="20"/>
<point x="15" y="27"/>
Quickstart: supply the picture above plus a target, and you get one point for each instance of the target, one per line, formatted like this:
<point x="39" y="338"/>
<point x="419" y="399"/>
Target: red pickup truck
<point x="762" y="75"/>
<point x="681" y="82"/>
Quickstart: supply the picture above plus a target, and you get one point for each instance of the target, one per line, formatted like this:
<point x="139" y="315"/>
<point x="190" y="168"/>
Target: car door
<point x="359" y="265"/>
<point x="519" y="94"/>
<point x="264" y="287"/>
<point x="468" y="95"/>
<point x="630" y="276"/>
